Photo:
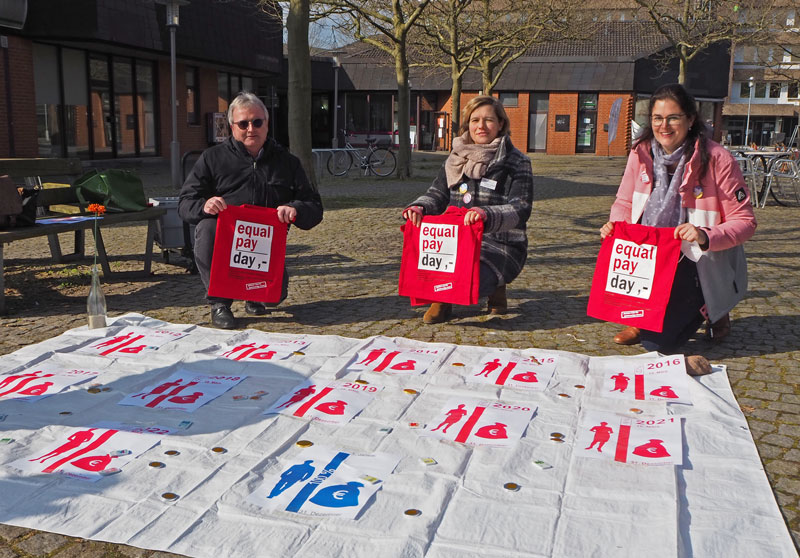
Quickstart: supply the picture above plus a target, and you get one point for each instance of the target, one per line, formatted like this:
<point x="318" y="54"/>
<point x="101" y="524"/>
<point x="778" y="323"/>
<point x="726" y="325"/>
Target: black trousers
<point x="204" y="235"/>
<point x="683" y="316"/>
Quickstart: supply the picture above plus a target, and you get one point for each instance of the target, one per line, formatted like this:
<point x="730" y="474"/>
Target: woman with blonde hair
<point x="486" y="174"/>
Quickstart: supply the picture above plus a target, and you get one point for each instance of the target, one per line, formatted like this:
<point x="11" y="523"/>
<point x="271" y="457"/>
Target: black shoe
<point x="222" y="317"/>
<point x="255" y="308"/>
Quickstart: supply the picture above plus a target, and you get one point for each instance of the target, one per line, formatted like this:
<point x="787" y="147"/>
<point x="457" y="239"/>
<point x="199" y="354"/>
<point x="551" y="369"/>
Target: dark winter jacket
<point x="507" y="207"/>
<point x="274" y="178"/>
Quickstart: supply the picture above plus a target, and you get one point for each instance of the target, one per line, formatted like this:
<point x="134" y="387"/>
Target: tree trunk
<point x="403" y="112"/>
<point x="486" y="76"/>
<point x="682" y="65"/>
<point x="300" y="85"/>
<point x="455" y="96"/>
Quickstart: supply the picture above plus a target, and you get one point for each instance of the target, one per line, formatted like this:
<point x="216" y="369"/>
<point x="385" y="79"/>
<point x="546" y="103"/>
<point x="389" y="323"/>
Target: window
<point x="509" y="99"/>
<point x="794" y="90"/>
<point x="774" y="90"/>
<point x="192" y="95"/>
<point x="761" y="90"/>
<point x="744" y="89"/>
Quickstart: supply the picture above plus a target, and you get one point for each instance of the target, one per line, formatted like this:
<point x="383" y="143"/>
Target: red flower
<point x="96" y="208"/>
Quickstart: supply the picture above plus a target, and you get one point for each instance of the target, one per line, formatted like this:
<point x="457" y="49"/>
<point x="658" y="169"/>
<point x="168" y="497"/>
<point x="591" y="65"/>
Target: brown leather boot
<point x="720" y="329"/>
<point x="697" y="365"/>
<point x="497" y="303"/>
<point x="628" y="336"/>
<point x="438" y="312"/>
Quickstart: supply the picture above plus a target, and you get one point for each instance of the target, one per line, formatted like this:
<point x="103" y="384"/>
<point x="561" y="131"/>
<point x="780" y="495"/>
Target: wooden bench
<point x="59" y="201"/>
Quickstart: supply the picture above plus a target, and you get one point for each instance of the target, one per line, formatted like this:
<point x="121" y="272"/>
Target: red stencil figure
<point x="529" y="377"/>
<point x="406" y="365"/>
<point x="229" y="354"/>
<point x="24" y="380"/>
<point x="652" y="449"/>
<point x="373" y="355"/>
<point x="113" y="341"/>
<point x="298" y="396"/>
<point x="602" y="434"/>
<point x="77" y="439"/>
<point x="266" y="355"/>
<point x="186" y="399"/>
<point x="332" y="407"/>
<point x="134" y="350"/>
<point x="492" y="431"/>
<point x="664" y="391"/>
<point x="453" y="416"/>
<point x="160" y="389"/>
<point x="620" y="382"/>
<point x="38" y="389"/>
<point x="490" y="367"/>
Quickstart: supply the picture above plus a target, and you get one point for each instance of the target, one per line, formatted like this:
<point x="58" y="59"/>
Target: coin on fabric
<point x="412" y="512"/>
<point x="304" y="443"/>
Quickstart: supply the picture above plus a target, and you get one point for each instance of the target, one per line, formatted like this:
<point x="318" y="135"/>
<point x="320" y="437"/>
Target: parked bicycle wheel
<point x="785" y="190"/>
<point x="382" y="162"/>
<point x="339" y="163"/>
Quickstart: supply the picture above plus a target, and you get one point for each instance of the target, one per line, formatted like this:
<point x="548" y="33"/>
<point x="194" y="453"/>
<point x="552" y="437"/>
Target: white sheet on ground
<point x="442" y="499"/>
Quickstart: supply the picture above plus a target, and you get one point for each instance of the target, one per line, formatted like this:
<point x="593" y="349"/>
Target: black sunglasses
<point x="244" y="124"/>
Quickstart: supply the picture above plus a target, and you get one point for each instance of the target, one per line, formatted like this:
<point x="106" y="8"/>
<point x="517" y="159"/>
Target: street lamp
<point x="751" y="82"/>
<point x="336" y="65"/>
<point x="173" y="6"/>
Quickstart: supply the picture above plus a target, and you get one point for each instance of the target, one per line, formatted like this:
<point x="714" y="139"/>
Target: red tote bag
<point x="633" y="276"/>
<point x="249" y="254"/>
<point x="441" y="259"/>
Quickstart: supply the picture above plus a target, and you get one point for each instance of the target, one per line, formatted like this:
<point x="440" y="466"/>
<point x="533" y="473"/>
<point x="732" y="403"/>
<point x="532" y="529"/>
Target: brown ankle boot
<point x="720" y="329"/>
<point x="438" y="312"/>
<point x="497" y="303"/>
<point x="628" y="336"/>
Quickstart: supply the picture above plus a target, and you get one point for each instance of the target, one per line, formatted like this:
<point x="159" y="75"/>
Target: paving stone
<point x="43" y="543"/>
<point x="9" y="532"/>
<point x="6" y="552"/>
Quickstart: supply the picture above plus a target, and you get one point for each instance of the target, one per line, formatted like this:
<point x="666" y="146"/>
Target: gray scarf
<point x="471" y="159"/>
<point x="663" y="207"/>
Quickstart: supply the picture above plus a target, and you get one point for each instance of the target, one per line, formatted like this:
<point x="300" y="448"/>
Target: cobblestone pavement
<point x="344" y="282"/>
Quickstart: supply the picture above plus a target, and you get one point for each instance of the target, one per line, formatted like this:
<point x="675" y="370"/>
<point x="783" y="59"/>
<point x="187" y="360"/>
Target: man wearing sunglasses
<point x="248" y="168"/>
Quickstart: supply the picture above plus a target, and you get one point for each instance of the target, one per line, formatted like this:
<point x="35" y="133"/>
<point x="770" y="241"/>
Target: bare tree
<point x="447" y="46"/>
<point x="692" y="26"/>
<point x="386" y="26"/>
<point x="507" y="28"/>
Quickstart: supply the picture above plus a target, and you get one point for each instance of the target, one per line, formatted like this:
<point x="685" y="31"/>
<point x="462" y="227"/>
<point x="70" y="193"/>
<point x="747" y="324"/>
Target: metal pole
<point x="174" y="146"/>
<point x="749" y="100"/>
<point x="335" y="142"/>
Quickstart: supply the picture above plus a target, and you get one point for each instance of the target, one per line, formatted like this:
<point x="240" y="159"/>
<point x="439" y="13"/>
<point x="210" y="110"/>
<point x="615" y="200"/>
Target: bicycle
<point x="380" y="161"/>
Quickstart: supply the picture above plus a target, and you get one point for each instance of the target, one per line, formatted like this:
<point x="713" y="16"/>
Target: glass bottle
<point x="96" y="303"/>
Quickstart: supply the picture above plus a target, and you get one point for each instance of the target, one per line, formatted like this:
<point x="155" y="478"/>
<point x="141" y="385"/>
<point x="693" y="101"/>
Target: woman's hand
<point x="474" y="215"/>
<point x="690" y="233"/>
<point x="606" y="230"/>
<point x="413" y="214"/>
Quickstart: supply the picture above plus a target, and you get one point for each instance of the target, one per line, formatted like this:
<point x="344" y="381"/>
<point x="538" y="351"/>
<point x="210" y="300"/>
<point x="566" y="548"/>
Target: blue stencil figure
<point x="338" y="495"/>
<point x="295" y="473"/>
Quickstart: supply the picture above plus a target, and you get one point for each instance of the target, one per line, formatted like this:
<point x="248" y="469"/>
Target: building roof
<point x="603" y="61"/>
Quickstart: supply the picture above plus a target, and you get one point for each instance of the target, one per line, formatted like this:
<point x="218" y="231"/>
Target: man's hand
<point x="286" y="214"/>
<point x="214" y="205"/>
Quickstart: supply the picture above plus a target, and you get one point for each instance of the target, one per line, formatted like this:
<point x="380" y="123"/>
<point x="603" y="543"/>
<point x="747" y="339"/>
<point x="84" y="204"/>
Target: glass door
<point x="102" y="123"/>
<point x="124" y="108"/>
<point x="587" y="123"/>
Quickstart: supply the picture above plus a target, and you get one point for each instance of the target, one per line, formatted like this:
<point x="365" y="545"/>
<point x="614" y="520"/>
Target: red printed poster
<point x="441" y="259"/>
<point x="393" y="359"/>
<point x="87" y="453"/>
<point x="480" y="423"/>
<point x="249" y="253"/>
<point x="37" y="382"/>
<point x="329" y="402"/>
<point x="183" y="391"/>
<point x="633" y="276"/>
<point x="643" y="441"/>
<point x="131" y="342"/>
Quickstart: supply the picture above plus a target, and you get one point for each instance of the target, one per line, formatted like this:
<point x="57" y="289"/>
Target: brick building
<point x="558" y="96"/>
<point x="92" y="78"/>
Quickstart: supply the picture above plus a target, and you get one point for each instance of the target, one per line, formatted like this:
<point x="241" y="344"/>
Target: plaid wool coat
<point x="505" y="193"/>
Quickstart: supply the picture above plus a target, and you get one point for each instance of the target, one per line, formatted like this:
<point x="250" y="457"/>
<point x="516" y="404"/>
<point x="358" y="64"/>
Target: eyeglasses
<point x="672" y="119"/>
<point x="244" y="124"/>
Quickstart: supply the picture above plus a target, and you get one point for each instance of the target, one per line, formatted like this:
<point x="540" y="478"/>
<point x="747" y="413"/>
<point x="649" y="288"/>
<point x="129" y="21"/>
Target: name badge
<point x="488" y="183"/>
